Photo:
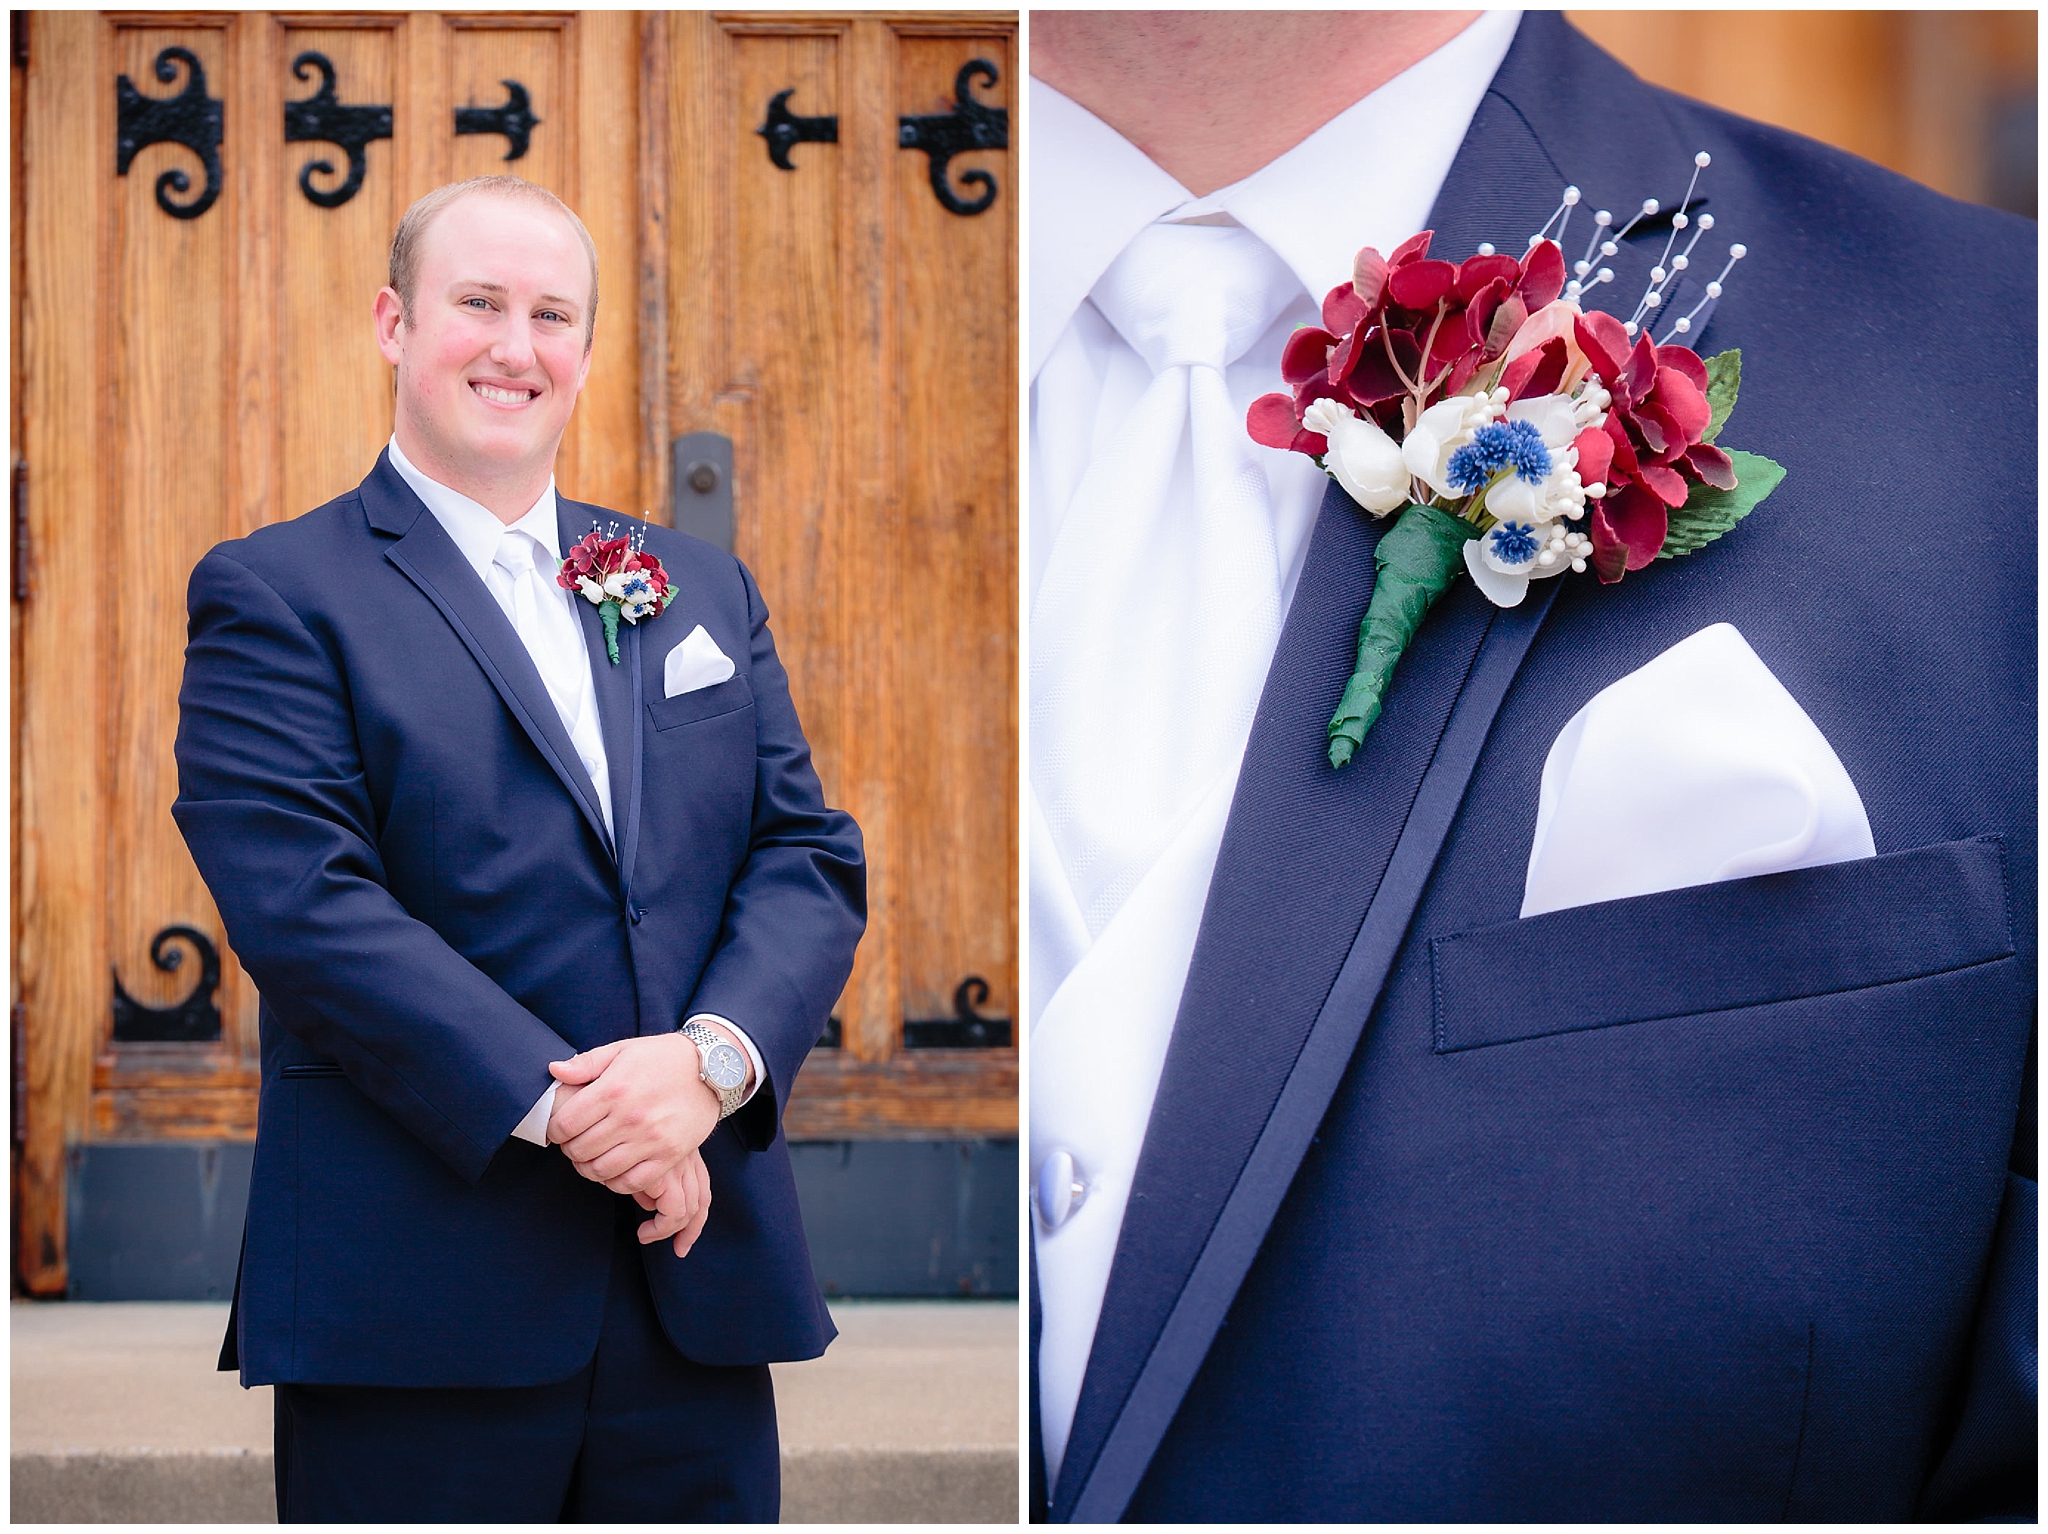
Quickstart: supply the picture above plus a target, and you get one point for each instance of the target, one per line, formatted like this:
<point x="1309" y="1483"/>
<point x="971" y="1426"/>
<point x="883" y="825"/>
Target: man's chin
<point x="494" y="450"/>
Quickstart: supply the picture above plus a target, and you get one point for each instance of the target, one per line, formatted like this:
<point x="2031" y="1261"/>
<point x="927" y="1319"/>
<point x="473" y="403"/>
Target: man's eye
<point x="477" y="303"/>
<point x="556" y="315"/>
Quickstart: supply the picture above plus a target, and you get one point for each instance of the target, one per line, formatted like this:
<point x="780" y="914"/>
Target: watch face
<point x="725" y="1067"/>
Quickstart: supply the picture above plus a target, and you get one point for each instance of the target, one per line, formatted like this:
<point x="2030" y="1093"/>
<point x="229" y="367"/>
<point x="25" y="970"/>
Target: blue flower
<point x="1516" y="445"/>
<point x="1514" y="543"/>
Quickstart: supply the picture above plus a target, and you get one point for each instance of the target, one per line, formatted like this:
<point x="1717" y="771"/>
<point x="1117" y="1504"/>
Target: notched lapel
<point x="430" y="560"/>
<point x="618" y="693"/>
<point x="1318" y="874"/>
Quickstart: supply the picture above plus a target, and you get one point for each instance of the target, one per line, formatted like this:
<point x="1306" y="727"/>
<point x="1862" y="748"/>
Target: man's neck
<point x="1211" y="96"/>
<point x="508" y="496"/>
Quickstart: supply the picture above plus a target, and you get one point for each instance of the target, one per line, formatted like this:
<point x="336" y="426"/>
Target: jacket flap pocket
<point x="725" y="697"/>
<point x="1740" y="943"/>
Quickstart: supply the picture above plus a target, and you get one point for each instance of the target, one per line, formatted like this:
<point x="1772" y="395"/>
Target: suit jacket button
<point x="636" y="912"/>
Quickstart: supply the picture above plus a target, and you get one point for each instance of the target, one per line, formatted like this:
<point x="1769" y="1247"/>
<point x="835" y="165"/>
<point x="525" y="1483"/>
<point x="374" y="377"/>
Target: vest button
<point x="1060" y="1190"/>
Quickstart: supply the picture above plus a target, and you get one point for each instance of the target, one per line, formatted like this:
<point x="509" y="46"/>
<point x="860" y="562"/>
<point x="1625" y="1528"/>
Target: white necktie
<point x="548" y="630"/>
<point x="1161" y="601"/>
<point x="1154" y="626"/>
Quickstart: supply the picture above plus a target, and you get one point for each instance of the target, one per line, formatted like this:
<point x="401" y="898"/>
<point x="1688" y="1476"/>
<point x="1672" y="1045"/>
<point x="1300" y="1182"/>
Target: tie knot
<point x="515" y="553"/>
<point x="1194" y="295"/>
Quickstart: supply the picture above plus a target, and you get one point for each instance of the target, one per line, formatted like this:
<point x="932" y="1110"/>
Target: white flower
<point x="1553" y="415"/>
<point x="590" y="588"/>
<point x="1442" y="429"/>
<point x="1504" y="559"/>
<point x="1362" y="458"/>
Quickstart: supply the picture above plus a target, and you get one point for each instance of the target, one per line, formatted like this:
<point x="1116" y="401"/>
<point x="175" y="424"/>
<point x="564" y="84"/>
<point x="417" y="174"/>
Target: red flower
<point x="1654" y="421"/>
<point x="593" y="558"/>
<point x="1404" y="326"/>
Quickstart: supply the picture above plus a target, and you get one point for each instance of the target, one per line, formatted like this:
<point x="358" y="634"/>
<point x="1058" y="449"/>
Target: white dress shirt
<point x="477" y="533"/>
<point x="1104" y="992"/>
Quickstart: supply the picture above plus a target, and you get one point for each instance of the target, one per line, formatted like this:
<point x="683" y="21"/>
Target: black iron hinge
<point x="20" y="1064"/>
<point x="22" y="572"/>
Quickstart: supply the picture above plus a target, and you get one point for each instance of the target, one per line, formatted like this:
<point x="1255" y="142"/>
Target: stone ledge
<point x="935" y="1485"/>
<point x="142" y="1486"/>
<point x="819" y="1485"/>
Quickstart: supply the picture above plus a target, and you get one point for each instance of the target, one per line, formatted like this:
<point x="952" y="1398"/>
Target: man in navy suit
<point x="542" y="937"/>
<point x="1711" y="1204"/>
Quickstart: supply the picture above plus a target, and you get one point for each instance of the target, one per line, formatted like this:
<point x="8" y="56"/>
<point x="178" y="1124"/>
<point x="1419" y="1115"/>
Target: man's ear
<point x="390" y="316"/>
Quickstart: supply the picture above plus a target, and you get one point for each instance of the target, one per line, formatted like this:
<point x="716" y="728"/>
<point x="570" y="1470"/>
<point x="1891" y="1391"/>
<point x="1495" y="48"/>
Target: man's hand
<point x="629" y="1112"/>
<point x="681" y="1204"/>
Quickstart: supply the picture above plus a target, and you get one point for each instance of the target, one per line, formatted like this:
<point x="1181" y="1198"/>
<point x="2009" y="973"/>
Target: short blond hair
<point x="412" y="229"/>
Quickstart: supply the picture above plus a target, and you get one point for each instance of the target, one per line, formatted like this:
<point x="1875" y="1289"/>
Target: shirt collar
<point x="1367" y="177"/>
<point x="475" y="527"/>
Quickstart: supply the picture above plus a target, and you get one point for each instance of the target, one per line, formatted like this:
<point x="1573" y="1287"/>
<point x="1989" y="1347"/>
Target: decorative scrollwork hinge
<point x="965" y="1029"/>
<point x="195" y="1020"/>
<point x="514" y="119"/>
<point x="784" y="130"/>
<point x="970" y="125"/>
<point x="191" y="118"/>
<point x="322" y="118"/>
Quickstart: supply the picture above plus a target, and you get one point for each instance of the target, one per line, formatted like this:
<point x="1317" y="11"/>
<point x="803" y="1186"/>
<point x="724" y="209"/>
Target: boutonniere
<point x="619" y="578"/>
<point x="1516" y="432"/>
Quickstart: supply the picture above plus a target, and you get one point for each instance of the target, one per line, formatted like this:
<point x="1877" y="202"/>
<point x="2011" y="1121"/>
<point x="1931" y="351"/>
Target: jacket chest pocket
<point x="714" y="702"/>
<point x="1716" y="947"/>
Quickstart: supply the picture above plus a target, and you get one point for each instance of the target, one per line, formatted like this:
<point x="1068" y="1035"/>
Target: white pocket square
<point x="1698" y="767"/>
<point x="696" y="662"/>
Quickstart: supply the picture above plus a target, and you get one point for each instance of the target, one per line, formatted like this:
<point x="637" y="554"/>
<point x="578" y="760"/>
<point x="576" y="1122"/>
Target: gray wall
<point x="885" y="1218"/>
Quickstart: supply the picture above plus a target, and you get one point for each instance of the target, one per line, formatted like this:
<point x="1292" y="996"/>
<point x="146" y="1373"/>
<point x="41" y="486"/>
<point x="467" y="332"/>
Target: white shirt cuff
<point x="753" y="1054"/>
<point x="534" y="1127"/>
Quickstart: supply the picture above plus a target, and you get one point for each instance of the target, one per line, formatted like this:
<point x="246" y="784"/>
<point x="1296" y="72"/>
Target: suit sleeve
<point x="274" y="804"/>
<point x="798" y="906"/>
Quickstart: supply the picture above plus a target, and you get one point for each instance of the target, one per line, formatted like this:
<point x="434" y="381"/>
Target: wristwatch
<point x="724" y="1068"/>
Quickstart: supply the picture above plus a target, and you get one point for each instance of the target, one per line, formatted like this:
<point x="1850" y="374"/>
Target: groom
<point x="1357" y="1196"/>
<point x="543" y="931"/>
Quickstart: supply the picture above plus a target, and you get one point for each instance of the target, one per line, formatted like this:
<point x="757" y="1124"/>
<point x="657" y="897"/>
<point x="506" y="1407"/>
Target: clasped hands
<point x="631" y="1115"/>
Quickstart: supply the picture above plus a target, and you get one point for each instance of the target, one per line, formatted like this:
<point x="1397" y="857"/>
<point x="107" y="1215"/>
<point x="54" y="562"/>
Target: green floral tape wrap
<point x="1415" y="563"/>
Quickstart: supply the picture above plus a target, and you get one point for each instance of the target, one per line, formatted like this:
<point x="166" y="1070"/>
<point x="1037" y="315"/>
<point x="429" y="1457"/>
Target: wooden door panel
<point x="167" y="465"/>
<point x="957" y="676"/>
<point x="168" y="472"/>
<point x="334" y="388"/>
<point x="856" y="340"/>
<point x="61" y="967"/>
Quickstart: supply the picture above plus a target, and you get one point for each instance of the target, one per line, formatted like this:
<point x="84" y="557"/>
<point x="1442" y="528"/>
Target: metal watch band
<point x="729" y="1098"/>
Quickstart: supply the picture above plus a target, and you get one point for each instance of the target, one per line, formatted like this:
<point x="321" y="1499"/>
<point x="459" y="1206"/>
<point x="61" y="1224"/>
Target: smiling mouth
<point x="498" y="395"/>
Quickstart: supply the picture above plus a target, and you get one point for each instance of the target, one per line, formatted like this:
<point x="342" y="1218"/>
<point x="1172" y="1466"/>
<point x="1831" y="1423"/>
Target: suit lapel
<point x="1319" y="870"/>
<point x="429" y="559"/>
<point x="618" y="694"/>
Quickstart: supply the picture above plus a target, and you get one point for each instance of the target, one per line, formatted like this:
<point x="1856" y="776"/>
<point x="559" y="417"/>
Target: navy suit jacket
<point x="1709" y="1205"/>
<point x="410" y="861"/>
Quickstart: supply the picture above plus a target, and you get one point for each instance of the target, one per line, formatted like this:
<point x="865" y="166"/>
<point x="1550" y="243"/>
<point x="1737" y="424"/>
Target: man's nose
<point x="513" y="350"/>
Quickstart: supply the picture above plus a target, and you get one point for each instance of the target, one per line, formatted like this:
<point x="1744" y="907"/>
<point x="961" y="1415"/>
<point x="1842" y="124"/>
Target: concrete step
<point x="119" y="1417"/>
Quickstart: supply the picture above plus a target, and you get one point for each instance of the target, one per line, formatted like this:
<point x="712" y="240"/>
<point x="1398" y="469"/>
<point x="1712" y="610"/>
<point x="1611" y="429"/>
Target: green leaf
<point x="1708" y="513"/>
<point x="1724" y="378"/>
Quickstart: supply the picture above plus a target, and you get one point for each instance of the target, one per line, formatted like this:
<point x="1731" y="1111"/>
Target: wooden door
<point x="193" y="357"/>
